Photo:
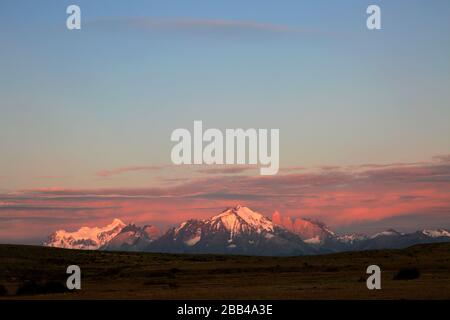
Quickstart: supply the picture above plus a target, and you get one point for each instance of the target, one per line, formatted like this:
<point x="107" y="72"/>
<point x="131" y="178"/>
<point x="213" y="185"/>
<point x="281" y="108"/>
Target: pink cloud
<point x="117" y="171"/>
<point x="227" y="169"/>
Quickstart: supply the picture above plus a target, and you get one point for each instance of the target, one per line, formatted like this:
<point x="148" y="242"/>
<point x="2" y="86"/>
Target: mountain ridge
<point x="85" y="237"/>
<point x="238" y="230"/>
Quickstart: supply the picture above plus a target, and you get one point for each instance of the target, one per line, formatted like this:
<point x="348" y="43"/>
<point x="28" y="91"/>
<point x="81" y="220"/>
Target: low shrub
<point x="3" y="291"/>
<point x="407" y="274"/>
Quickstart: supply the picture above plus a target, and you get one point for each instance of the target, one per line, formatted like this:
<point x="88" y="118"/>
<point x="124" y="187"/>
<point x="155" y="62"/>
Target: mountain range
<point x="238" y="230"/>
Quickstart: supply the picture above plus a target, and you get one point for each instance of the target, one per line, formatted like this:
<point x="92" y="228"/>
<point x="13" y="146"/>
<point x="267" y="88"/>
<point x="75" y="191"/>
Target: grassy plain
<point x="32" y="272"/>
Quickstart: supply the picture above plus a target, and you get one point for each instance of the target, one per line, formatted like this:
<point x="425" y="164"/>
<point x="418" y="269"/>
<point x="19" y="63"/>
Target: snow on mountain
<point x="351" y="238"/>
<point x="241" y="220"/>
<point x="132" y="238"/>
<point x="85" y="237"/>
<point x="235" y="221"/>
<point x="196" y="238"/>
<point x="310" y="231"/>
<point x="436" y="233"/>
<point x="237" y="230"/>
<point x="389" y="233"/>
<point x="315" y="240"/>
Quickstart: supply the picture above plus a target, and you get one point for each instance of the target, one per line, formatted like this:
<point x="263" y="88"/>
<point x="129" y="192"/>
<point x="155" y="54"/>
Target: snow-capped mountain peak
<point x="85" y="237"/>
<point x="389" y="232"/>
<point x="313" y="232"/>
<point x="132" y="237"/>
<point x="241" y="219"/>
<point x="237" y="230"/>
<point x="351" y="238"/>
<point x="436" y="233"/>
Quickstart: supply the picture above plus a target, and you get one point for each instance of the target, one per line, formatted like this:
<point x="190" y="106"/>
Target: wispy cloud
<point x="445" y="158"/>
<point x="122" y="170"/>
<point x="233" y="169"/>
<point x="292" y="169"/>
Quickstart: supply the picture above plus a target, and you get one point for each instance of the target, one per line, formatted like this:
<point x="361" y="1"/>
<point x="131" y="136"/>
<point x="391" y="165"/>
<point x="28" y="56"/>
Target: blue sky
<point x="78" y="104"/>
<point x="80" y="101"/>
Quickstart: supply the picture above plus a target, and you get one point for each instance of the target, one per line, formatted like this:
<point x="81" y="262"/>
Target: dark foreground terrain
<point x="419" y="272"/>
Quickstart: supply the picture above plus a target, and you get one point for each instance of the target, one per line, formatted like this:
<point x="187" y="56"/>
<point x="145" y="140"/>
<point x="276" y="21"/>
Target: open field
<point x="126" y="275"/>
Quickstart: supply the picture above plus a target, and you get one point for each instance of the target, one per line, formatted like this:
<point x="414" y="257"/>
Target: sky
<point x="86" y="115"/>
